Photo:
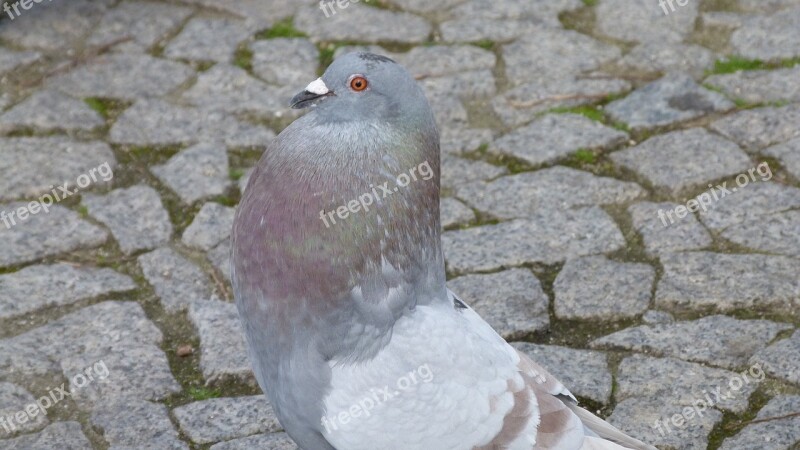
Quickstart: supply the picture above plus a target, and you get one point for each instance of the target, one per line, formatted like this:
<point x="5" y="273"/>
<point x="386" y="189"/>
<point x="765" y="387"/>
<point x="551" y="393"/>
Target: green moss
<point x="244" y="58"/>
<point x="203" y="393"/>
<point x="585" y="156"/>
<point x="180" y="213"/>
<point x="589" y="2"/>
<point x="484" y="44"/>
<point x="235" y="174"/>
<point x="582" y="19"/>
<point x="789" y="63"/>
<point x="326" y="52"/>
<point x="83" y="211"/>
<point x="735" y="64"/>
<point x="202" y="66"/>
<point x="590" y="112"/>
<point x="720" y="5"/>
<point x="514" y="165"/>
<point x="227" y="200"/>
<point x="740" y="102"/>
<point x="594" y="112"/>
<point x="147" y="156"/>
<point x="283" y="29"/>
<point x="109" y="109"/>
<point x="98" y="105"/>
<point x="621" y="126"/>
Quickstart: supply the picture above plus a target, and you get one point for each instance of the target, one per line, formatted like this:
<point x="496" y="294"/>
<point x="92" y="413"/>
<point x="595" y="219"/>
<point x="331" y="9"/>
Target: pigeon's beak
<point x="313" y="92"/>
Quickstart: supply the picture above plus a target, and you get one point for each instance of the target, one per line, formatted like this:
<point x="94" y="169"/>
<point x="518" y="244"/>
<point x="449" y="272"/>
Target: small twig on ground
<point x="220" y="285"/>
<point x="769" y="419"/>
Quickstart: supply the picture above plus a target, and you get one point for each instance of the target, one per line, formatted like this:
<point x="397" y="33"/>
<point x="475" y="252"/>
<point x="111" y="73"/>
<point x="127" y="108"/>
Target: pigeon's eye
<point x="358" y="83"/>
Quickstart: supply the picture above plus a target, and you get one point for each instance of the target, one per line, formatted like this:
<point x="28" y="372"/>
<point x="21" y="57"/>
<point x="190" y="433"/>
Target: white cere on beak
<point x="317" y="87"/>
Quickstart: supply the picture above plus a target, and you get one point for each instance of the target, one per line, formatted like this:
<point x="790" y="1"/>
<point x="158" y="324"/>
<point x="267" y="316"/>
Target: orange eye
<point x="358" y="83"/>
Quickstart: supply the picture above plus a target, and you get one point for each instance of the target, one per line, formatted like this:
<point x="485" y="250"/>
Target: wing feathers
<point x="516" y="421"/>
<point x="606" y="431"/>
<point x="545" y="415"/>
<point x="562" y="421"/>
<point x="559" y="428"/>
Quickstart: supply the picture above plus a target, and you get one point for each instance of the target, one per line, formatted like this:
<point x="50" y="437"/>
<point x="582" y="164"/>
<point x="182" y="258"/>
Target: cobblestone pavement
<point x="580" y="140"/>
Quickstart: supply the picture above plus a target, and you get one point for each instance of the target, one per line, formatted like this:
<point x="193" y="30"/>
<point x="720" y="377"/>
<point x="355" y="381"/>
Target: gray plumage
<point x="319" y="300"/>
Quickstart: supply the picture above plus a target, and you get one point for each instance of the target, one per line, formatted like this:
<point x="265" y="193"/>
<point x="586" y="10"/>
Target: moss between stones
<point x="200" y="393"/>
<point x="732" y="423"/>
<point x="583" y="156"/>
<point x="283" y="29"/>
<point x="582" y="19"/>
<point x="720" y="5"/>
<point x="243" y="58"/>
<point x="134" y="168"/>
<point x="735" y="64"/>
<point x="243" y="158"/>
<point x="202" y="66"/>
<point x="230" y="198"/>
<point x="485" y="44"/>
<point x="134" y="163"/>
<point x="634" y="250"/>
<point x="235" y="174"/>
<point x="514" y="165"/>
<point x="109" y="109"/>
<point x="592" y="112"/>
<point x="579" y="333"/>
<point x="97" y="105"/>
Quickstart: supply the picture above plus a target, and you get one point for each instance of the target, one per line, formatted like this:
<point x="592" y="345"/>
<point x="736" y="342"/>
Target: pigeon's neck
<point x="343" y="230"/>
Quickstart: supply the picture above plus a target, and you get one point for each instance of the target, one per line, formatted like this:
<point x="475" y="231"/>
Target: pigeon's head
<point x="364" y="86"/>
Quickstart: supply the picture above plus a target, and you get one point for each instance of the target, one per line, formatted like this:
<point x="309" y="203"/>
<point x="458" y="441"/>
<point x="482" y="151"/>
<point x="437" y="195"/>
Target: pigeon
<point x="339" y="281"/>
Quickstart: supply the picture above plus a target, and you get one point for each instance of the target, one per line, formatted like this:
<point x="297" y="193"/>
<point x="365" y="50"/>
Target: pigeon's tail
<point x="606" y="432"/>
<point x="564" y="424"/>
